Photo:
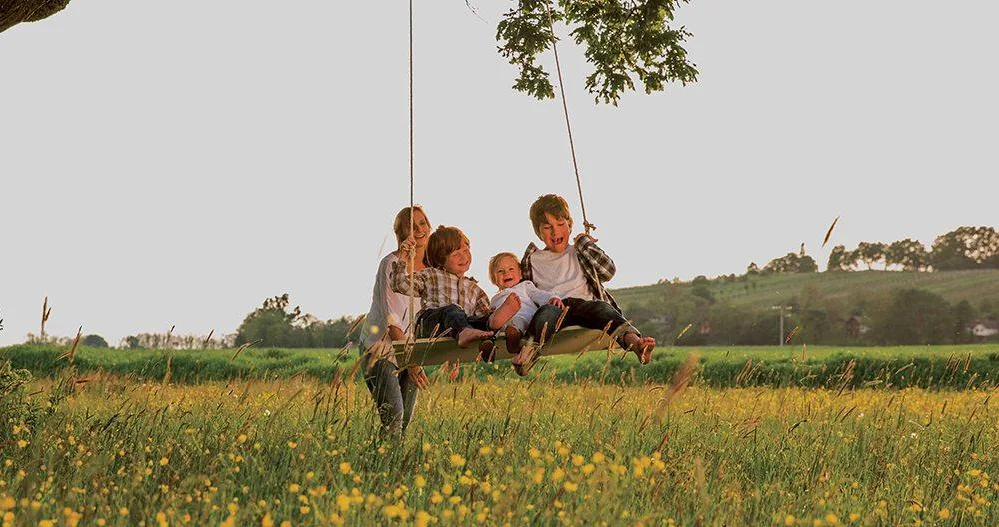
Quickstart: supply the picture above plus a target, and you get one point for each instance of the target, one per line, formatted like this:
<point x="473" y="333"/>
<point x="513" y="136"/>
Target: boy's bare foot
<point x="502" y="314"/>
<point x="642" y="346"/>
<point x="513" y="340"/>
<point x="469" y="335"/>
<point x="524" y="361"/>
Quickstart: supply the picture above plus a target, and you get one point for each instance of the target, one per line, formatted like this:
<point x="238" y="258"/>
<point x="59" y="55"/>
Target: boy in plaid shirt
<point x="575" y="273"/>
<point x="453" y="304"/>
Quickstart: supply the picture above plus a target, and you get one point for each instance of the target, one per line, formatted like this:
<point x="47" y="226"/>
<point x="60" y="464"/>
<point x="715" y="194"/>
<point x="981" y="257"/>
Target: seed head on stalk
<point x="241" y="348"/>
<point x="71" y="354"/>
<point x="46" y="312"/>
<point x="679" y="382"/>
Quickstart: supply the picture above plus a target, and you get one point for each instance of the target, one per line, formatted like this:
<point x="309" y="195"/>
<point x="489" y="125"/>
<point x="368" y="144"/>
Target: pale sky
<point x="175" y="163"/>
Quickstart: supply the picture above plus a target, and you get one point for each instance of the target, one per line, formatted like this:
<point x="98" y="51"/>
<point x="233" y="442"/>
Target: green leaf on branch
<point x="624" y="41"/>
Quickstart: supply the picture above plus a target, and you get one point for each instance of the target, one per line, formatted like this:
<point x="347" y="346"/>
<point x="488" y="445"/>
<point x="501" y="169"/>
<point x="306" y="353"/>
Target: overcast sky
<point x="175" y="163"/>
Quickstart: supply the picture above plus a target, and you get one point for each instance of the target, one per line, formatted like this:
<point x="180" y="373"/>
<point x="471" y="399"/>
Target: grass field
<point x="973" y="286"/>
<point x="958" y="366"/>
<point x="107" y="450"/>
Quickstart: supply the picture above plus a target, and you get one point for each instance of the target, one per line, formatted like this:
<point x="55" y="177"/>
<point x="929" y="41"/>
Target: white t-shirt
<point x="530" y="298"/>
<point x="560" y="273"/>
<point x="387" y="307"/>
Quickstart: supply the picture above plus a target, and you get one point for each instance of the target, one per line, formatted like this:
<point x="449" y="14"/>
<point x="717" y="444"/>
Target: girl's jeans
<point x="394" y="395"/>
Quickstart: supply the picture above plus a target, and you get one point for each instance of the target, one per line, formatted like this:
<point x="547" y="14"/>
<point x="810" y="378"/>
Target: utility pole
<point x="780" y="337"/>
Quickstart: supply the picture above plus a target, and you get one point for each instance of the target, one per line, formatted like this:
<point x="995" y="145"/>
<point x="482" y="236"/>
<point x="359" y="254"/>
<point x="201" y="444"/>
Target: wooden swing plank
<point x="428" y="352"/>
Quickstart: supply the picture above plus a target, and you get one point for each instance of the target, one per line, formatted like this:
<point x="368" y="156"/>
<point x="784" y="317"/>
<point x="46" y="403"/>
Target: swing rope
<point x="412" y="211"/>
<point x="565" y="109"/>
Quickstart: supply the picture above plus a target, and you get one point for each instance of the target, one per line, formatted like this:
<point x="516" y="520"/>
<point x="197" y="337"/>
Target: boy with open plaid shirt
<point x="576" y="273"/>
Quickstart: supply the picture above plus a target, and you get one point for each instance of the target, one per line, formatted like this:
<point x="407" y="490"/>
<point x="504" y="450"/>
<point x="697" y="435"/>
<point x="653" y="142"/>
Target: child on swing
<point x="504" y="271"/>
<point x="576" y="273"/>
<point x="453" y="304"/>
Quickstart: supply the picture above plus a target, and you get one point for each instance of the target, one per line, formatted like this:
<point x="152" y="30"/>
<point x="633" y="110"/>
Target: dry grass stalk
<point x="208" y="339"/>
<point x="169" y="333"/>
<point x="792" y="334"/>
<point x="379" y="350"/>
<point x="829" y="232"/>
<point x="46" y="312"/>
<point x="612" y="344"/>
<point x="241" y="348"/>
<point x="679" y="382"/>
<point x="745" y="373"/>
<point x="561" y="319"/>
<point x="166" y="376"/>
<point x="699" y="482"/>
<point x="356" y="323"/>
<point x="71" y="354"/>
<point x="683" y="332"/>
<point x="846" y="376"/>
<point x="544" y="335"/>
<point x="354" y="368"/>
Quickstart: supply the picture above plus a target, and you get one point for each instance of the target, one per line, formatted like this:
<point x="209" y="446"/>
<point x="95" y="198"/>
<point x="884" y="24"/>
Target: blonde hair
<point x="551" y="204"/>
<point x="402" y="219"/>
<point x="494" y="263"/>
<point x="442" y="243"/>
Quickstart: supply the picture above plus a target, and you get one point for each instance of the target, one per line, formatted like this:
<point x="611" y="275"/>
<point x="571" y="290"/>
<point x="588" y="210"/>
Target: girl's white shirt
<point x="387" y="307"/>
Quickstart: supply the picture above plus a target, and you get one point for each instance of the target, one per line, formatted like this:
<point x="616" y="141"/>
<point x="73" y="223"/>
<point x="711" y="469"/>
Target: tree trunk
<point x="13" y="12"/>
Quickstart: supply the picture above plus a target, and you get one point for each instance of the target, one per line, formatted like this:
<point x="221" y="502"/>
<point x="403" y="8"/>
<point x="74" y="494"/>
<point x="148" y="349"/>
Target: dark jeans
<point x="394" y="395"/>
<point x="449" y="318"/>
<point x="590" y="314"/>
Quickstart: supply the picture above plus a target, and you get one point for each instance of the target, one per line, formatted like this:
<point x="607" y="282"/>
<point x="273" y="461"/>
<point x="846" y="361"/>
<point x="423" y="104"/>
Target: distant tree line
<point x="790" y="263"/>
<point x="177" y="342"/>
<point x="690" y="314"/>
<point x="961" y="249"/>
<point x="93" y="341"/>
<point x="275" y="325"/>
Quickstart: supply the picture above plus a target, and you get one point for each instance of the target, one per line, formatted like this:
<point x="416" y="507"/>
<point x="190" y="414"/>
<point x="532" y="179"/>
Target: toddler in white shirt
<point x="504" y="271"/>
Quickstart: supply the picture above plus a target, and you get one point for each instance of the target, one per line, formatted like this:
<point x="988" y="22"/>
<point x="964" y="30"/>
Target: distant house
<point x="985" y="329"/>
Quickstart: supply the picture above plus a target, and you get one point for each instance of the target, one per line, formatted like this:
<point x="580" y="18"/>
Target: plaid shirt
<point x="439" y="288"/>
<point x="596" y="265"/>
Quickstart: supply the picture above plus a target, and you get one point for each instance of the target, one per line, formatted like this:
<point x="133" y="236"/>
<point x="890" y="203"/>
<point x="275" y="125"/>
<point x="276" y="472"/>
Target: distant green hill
<point x="763" y="291"/>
